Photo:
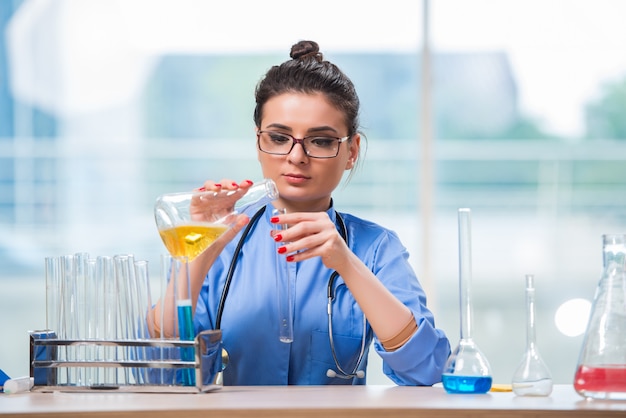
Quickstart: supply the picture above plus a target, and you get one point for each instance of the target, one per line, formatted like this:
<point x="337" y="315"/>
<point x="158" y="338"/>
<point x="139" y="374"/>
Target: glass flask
<point x="532" y="377"/>
<point x="467" y="369"/>
<point x="601" y="370"/>
<point x="189" y="222"/>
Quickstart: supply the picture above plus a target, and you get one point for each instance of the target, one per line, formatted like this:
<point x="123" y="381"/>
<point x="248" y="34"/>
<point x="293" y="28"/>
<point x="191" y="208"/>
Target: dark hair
<point x="308" y="72"/>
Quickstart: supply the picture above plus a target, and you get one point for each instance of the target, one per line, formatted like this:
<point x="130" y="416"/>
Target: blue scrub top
<point x="250" y="319"/>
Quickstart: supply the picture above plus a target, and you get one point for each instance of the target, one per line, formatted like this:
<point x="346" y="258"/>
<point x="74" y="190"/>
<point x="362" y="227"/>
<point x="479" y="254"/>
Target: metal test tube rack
<point x="46" y="363"/>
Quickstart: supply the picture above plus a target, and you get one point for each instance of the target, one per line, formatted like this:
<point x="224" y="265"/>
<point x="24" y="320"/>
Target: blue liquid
<point x="185" y="331"/>
<point x="466" y="384"/>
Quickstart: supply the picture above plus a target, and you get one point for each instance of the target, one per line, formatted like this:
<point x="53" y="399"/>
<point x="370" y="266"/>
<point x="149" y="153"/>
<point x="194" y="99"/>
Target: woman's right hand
<point x="215" y="202"/>
<point x="218" y="205"/>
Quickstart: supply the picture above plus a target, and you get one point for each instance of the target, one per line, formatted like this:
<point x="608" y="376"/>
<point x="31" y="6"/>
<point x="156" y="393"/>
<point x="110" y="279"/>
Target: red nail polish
<point x="289" y="258"/>
<point x="249" y="182"/>
<point x="202" y="189"/>
<point x="218" y="185"/>
<point x="278" y="237"/>
<point x="235" y="184"/>
<point x="274" y="219"/>
<point x="282" y="250"/>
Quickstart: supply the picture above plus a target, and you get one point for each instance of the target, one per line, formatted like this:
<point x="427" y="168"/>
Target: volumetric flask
<point x="601" y="371"/>
<point x="467" y="369"/>
<point x="532" y="377"/>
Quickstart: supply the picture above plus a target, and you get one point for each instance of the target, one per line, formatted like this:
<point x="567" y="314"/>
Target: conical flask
<point x="532" y="377"/>
<point x="601" y="370"/>
<point x="467" y="369"/>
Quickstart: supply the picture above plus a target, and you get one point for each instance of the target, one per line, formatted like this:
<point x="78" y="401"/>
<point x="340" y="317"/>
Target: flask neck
<point x="264" y="189"/>
<point x="465" y="273"/>
<point x="530" y="314"/>
<point x="614" y="251"/>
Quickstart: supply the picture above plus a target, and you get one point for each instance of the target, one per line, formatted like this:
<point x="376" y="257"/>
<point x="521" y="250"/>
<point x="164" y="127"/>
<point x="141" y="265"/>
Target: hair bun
<point x="305" y="49"/>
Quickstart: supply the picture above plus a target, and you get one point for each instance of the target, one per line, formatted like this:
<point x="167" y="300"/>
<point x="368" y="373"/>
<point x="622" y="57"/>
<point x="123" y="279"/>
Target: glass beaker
<point x="532" y="377"/>
<point x="601" y="370"/>
<point x="467" y="369"/>
<point x="189" y="222"/>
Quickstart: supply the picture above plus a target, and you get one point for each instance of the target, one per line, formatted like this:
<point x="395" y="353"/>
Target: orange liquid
<point x="190" y="240"/>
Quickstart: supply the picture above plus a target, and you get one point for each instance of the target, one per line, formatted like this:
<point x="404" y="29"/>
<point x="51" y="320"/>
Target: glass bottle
<point x="601" y="370"/>
<point x="467" y="369"/>
<point x="532" y="377"/>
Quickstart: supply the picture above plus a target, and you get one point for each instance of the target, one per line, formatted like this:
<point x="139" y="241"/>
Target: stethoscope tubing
<point x="330" y="294"/>
<point x="233" y="265"/>
<point x="342" y="373"/>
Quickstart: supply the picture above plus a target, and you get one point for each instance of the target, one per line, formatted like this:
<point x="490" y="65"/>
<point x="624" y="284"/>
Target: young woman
<point x="307" y="136"/>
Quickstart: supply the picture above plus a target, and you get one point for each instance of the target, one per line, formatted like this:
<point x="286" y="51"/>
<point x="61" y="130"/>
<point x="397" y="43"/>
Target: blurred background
<point x="513" y="108"/>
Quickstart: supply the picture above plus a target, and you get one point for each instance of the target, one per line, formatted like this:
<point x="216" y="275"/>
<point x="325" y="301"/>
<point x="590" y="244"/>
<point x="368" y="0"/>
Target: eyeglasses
<point x="278" y="143"/>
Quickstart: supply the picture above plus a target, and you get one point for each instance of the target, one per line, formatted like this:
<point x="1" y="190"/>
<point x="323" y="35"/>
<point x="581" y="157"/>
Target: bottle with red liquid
<point x="601" y="371"/>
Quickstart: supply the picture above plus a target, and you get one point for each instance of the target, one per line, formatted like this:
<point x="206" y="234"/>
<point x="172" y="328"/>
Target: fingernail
<point x="234" y="184"/>
<point x="202" y="189"/>
<point x="282" y="250"/>
<point x="274" y="219"/>
<point x="249" y="182"/>
<point x="289" y="257"/>
<point x="218" y="185"/>
<point x="278" y="237"/>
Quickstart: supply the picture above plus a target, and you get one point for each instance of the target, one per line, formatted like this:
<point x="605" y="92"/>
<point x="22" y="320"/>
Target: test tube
<point x="284" y="288"/>
<point x="53" y="293"/>
<point x="93" y="317"/>
<point x="144" y="303"/>
<point x="106" y="275"/>
<point x="80" y="271"/>
<point x="163" y="322"/>
<point x="166" y="323"/>
<point x="68" y="327"/>
<point x="124" y="278"/>
<point x="185" y="318"/>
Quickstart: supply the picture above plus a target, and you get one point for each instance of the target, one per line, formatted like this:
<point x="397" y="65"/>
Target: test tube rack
<point x="50" y="364"/>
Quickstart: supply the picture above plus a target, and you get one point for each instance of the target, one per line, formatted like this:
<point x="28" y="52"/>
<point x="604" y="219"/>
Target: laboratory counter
<point x="307" y="401"/>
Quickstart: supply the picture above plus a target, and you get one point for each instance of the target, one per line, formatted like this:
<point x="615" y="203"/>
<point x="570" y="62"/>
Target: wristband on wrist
<point x="398" y="340"/>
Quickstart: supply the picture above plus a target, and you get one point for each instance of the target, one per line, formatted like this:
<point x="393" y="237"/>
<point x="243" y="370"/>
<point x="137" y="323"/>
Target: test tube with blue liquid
<point x="467" y="369"/>
<point x="184" y="314"/>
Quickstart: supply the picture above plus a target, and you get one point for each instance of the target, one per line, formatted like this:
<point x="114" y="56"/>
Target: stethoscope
<point x="340" y="372"/>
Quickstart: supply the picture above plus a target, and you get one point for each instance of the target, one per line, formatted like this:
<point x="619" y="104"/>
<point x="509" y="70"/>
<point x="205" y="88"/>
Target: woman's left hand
<point x="311" y="234"/>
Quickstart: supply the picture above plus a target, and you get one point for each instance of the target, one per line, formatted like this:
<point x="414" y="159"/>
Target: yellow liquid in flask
<point x="190" y="240"/>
